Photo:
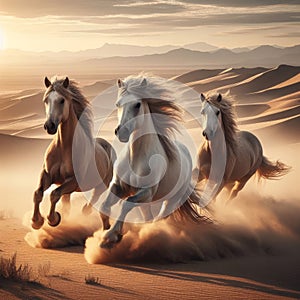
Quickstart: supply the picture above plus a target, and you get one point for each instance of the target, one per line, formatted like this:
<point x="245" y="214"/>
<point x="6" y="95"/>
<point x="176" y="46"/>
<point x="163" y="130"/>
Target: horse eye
<point x="138" y="105"/>
<point x="62" y="101"/>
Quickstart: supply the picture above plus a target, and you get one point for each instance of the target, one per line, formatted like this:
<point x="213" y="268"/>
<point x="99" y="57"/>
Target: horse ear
<point x="120" y="83"/>
<point x="144" y="82"/>
<point x="66" y="83"/>
<point x="202" y="97"/>
<point x="219" y="98"/>
<point x="47" y="82"/>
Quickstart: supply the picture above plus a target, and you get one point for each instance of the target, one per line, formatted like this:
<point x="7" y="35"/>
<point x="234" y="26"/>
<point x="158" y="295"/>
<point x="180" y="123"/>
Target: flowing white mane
<point x="165" y="113"/>
<point x="146" y="86"/>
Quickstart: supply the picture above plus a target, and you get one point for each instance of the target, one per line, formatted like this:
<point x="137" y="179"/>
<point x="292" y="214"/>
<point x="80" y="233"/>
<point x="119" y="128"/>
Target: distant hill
<point x="114" y="56"/>
<point x="262" y="56"/>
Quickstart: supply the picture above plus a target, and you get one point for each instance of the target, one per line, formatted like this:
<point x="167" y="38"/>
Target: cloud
<point x="36" y="8"/>
<point x="252" y="29"/>
<point x="118" y="20"/>
<point x="295" y="34"/>
<point x="165" y="23"/>
<point x="239" y="3"/>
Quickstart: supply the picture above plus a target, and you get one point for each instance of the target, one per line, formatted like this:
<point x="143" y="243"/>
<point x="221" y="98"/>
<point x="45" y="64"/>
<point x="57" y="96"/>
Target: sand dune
<point x="227" y="79"/>
<point x="267" y="79"/>
<point x="255" y="90"/>
<point x="287" y="130"/>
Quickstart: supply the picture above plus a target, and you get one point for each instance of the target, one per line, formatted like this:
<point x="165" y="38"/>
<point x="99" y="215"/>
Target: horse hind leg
<point x="147" y="213"/>
<point x="66" y="205"/>
<point x="239" y="185"/>
<point x="87" y="209"/>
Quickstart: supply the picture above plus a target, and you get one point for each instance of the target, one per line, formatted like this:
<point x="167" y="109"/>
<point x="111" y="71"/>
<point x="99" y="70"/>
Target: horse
<point x="70" y="120"/>
<point x="244" y="152"/>
<point x="153" y="167"/>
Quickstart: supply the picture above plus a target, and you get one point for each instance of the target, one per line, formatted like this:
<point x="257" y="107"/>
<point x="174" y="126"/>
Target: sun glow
<point x="1" y="39"/>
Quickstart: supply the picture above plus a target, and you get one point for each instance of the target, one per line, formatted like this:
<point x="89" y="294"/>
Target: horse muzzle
<point x="122" y="133"/>
<point x="50" y="127"/>
<point x="206" y="135"/>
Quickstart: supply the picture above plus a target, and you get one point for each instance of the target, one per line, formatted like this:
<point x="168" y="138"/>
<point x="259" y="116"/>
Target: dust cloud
<point x="253" y="225"/>
<point x="73" y="229"/>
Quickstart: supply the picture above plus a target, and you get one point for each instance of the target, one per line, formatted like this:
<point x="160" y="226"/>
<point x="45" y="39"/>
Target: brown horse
<point x="244" y="153"/>
<point x="73" y="154"/>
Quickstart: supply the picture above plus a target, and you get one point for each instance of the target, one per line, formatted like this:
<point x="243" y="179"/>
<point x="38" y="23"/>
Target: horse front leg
<point x="114" y="195"/>
<point x="67" y="187"/>
<point x="114" y="234"/>
<point x="37" y="220"/>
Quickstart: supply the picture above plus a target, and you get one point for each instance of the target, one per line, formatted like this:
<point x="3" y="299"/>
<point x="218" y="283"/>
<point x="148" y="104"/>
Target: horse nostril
<point x="204" y="133"/>
<point x="116" y="130"/>
<point x="45" y="126"/>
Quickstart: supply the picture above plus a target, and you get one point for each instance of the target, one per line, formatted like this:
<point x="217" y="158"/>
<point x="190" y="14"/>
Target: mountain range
<point x="196" y="55"/>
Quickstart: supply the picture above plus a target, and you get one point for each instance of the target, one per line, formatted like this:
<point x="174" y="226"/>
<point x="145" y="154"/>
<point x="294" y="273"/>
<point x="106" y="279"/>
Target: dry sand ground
<point x="253" y="255"/>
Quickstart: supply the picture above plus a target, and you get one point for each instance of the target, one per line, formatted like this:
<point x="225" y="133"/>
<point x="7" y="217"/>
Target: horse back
<point x="249" y="140"/>
<point x="247" y="157"/>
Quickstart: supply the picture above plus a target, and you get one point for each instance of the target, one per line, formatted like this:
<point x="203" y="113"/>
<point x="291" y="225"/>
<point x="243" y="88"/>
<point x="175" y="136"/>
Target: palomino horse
<point x="244" y="153"/>
<point x="69" y="117"/>
<point x="153" y="167"/>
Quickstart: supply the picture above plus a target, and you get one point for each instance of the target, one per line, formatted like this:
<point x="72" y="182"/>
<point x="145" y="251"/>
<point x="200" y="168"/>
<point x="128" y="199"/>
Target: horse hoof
<point x="120" y="236"/>
<point x="87" y="209"/>
<point x="56" y="220"/>
<point x="37" y="224"/>
<point x="106" y="245"/>
<point x="109" y="244"/>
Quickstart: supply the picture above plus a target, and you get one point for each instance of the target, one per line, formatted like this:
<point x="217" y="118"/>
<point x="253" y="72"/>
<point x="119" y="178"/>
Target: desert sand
<point x="252" y="253"/>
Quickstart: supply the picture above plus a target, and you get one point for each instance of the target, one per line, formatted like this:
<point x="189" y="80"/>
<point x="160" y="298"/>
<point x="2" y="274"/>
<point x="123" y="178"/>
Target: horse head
<point x="131" y="110"/>
<point x="211" y="116"/>
<point x="57" y="103"/>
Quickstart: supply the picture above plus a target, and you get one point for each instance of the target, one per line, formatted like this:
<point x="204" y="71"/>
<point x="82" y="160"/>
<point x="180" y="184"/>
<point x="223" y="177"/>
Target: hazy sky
<point x="75" y="25"/>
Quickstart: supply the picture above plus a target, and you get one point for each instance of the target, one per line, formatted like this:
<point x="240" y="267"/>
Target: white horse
<point x="243" y="154"/>
<point x="153" y="167"/>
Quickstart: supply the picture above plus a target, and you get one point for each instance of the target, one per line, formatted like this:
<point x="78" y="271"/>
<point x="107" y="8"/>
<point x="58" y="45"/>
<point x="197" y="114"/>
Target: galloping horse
<point x="153" y="167"/>
<point x="69" y="118"/>
<point x="244" y="153"/>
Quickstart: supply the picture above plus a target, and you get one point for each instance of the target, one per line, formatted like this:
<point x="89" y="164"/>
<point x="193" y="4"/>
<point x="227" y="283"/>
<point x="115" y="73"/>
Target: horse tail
<point x="272" y="170"/>
<point x="191" y="211"/>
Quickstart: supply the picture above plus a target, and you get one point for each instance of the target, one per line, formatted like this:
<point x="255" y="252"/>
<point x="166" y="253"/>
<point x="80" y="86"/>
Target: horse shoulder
<point x="204" y="155"/>
<point x="52" y="160"/>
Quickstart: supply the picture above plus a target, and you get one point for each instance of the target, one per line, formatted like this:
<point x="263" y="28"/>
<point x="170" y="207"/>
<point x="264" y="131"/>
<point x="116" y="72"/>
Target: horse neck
<point x="219" y="141"/>
<point x="143" y="139"/>
<point x="66" y="130"/>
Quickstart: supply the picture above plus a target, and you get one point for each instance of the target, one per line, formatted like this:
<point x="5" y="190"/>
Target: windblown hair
<point x="227" y="108"/>
<point x="165" y="113"/>
<point x="147" y="86"/>
<point x="81" y="105"/>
